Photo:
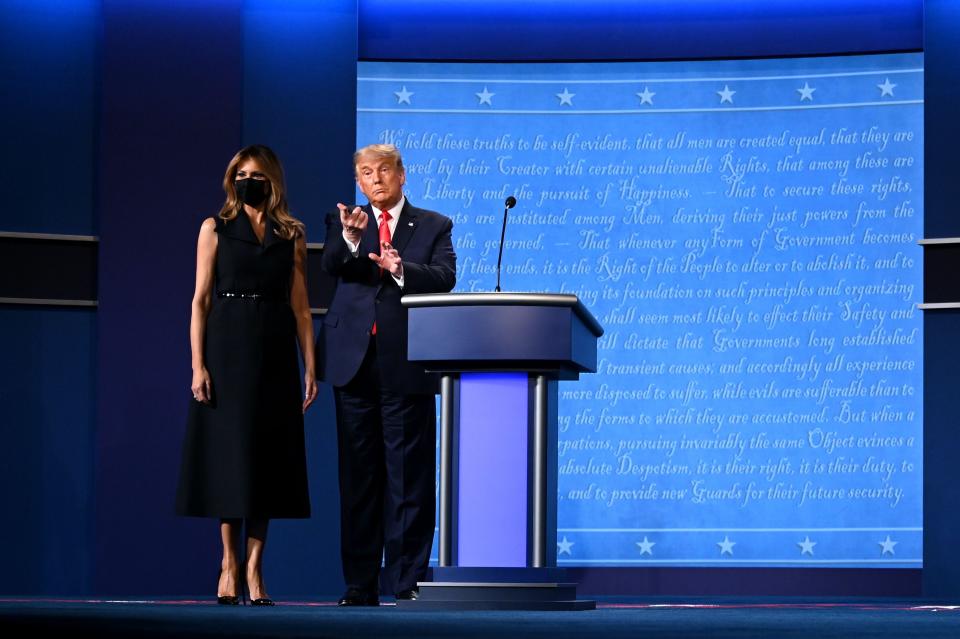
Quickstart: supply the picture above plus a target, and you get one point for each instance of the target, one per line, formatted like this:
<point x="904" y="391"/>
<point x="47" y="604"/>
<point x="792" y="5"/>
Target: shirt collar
<point x="394" y="211"/>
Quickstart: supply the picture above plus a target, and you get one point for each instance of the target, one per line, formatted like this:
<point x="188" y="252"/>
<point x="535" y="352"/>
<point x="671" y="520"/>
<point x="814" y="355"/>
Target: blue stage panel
<point x="634" y="30"/>
<point x="50" y="63"/>
<point x="746" y="233"/>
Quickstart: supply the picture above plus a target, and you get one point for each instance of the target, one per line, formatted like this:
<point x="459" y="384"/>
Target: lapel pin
<point x="409" y="223"/>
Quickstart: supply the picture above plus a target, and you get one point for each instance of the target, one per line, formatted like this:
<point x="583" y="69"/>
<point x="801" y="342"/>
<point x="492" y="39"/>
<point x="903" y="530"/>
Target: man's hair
<point x="378" y="151"/>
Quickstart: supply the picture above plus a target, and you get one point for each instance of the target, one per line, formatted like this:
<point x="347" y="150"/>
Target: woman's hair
<point x="379" y="151"/>
<point x="276" y="207"/>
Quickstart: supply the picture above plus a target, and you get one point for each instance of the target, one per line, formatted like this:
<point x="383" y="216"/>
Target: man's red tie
<point x="384" y="237"/>
<point x="384" y="230"/>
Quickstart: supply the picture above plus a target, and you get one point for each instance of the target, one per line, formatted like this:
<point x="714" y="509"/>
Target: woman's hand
<point x="201" y="385"/>
<point x="310" y="390"/>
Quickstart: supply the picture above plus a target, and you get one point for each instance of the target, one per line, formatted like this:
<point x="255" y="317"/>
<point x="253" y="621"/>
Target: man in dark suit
<point x="386" y="409"/>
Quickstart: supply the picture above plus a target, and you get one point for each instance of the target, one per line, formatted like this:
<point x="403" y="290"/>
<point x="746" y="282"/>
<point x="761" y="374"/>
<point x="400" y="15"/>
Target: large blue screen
<point x="746" y="232"/>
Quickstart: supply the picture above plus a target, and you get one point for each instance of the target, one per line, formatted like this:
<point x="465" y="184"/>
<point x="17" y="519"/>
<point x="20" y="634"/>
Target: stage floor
<point x="650" y="618"/>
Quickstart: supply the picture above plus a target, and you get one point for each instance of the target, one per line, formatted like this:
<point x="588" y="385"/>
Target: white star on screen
<point x="566" y="97"/>
<point x="806" y="92"/>
<point x="646" y="97"/>
<point x="646" y="546"/>
<point x="726" y="546"/>
<point x="726" y="95"/>
<point x="886" y="88"/>
<point x="563" y="547"/>
<point x="806" y="546"/>
<point x="485" y="96"/>
<point x="403" y="96"/>
<point x="886" y="546"/>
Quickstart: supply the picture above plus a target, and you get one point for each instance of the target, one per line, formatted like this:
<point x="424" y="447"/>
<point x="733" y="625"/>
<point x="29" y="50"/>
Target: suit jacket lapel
<point x="406" y="225"/>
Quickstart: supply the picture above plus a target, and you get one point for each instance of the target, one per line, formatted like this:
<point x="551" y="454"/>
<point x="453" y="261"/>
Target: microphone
<point x="507" y="205"/>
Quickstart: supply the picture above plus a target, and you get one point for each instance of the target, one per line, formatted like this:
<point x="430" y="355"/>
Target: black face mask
<point x="252" y="192"/>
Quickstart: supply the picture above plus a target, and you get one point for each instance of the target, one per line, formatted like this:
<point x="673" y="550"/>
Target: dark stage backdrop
<point x="49" y="59"/>
<point x="185" y="84"/>
<point x="121" y="116"/>
<point x="941" y="574"/>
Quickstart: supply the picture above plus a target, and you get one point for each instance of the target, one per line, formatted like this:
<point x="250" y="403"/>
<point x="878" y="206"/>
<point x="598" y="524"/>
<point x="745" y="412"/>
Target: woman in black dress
<point x="243" y="455"/>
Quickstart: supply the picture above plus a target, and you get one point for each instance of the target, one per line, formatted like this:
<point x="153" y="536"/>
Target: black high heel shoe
<point x="226" y="600"/>
<point x="260" y="601"/>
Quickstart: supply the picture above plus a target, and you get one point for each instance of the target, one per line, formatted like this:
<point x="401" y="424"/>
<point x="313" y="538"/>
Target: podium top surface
<point x="506" y="299"/>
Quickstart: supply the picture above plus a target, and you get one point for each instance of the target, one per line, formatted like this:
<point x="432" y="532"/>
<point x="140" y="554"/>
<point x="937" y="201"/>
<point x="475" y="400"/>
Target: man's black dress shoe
<point x="411" y="594"/>
<point x="354" y="597"/>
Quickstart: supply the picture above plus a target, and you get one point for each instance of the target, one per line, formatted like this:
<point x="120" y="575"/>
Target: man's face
<point x="380" y="180"/>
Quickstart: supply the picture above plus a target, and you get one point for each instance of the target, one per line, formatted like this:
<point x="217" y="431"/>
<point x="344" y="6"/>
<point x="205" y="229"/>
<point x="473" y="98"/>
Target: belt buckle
<point x="249" y="296"/>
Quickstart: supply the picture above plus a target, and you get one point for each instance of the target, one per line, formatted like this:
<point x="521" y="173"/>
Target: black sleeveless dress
<point x="243" y="454"/>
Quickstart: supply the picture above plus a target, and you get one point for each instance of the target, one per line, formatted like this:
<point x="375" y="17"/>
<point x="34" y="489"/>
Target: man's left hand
<point x="389" y="260"/>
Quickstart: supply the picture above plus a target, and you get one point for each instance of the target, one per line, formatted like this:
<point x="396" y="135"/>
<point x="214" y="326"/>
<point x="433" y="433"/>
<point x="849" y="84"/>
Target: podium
<point x="500" y="356"/>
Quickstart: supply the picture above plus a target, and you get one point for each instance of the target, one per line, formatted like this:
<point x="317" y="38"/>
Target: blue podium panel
<point x="492" y="477"/>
